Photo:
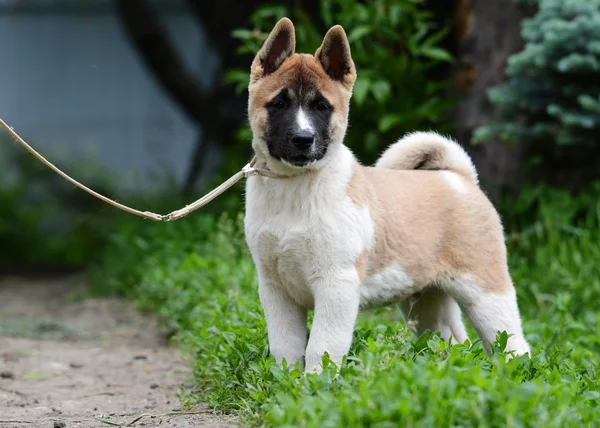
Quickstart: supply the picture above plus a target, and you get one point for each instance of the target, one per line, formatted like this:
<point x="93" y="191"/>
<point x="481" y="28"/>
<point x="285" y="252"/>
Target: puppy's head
<point x="299" y="103"/>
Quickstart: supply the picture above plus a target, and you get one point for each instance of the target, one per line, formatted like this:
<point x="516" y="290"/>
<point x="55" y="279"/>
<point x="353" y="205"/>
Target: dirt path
<point x="65" y="360"/>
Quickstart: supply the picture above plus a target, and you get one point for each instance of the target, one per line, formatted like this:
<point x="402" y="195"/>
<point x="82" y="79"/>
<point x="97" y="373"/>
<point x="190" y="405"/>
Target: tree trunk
<point x="142" y="24"/>
<point x="482" y="55"/>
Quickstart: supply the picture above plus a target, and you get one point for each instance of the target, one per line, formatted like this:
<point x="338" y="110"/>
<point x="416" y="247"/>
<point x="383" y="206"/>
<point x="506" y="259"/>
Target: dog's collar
<point x="251" y="169"/>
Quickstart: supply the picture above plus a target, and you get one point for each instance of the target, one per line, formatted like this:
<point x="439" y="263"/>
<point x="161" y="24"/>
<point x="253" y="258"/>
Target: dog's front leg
<point x="286" y="322"/>
<point x="336" y="307"/>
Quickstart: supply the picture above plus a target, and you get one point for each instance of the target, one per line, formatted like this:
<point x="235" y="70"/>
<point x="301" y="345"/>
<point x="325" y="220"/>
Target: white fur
<point x="490" y="312"/>
<point x="455" y="181"/>
<point x="303" y="120"/>
<point x="400" y="155"/>
<point x="392" y="284"/>
<point x="305" y="235"/>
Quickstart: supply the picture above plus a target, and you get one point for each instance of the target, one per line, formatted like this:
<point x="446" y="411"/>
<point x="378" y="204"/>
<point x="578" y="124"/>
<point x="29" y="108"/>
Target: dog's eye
<point x="278" y="104"/>
<point x="322" y="106"/>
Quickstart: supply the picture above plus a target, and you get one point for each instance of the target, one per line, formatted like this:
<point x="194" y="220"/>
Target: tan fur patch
<point x="357" y="188"/>
<point x="344" y="70"/>
<point x="432" y="233"/>
<point x="361" y="266"/>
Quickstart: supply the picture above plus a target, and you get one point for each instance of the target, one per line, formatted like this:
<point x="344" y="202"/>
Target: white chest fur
<point x="302" y="230"/>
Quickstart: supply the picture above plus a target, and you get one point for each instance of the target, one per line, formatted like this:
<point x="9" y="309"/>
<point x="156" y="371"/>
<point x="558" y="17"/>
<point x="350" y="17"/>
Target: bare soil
<point x="66" y="359"/>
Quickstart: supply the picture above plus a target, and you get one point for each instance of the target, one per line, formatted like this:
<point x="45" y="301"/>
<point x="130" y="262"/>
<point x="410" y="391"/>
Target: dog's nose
<point x="303" y="139"/>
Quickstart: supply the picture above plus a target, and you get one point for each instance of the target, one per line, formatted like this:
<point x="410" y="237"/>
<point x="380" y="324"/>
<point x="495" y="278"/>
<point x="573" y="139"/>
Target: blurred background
<point x="145" y="101"/>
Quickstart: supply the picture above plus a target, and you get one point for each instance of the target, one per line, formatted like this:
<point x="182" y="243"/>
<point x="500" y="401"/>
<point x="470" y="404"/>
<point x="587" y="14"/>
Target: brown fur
<point x="346" y="73"/>
<point x="420" y="159"/>
<point x="361" y="265"/>
<point x="422" y="226"/>
<point x="357" y="189"/>
<point x="299" y="68"/>
<point x="428" y="151"/>
<point x="306" y="70"/>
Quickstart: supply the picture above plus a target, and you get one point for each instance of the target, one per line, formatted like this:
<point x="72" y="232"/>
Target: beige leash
<point x="249" y="170"/>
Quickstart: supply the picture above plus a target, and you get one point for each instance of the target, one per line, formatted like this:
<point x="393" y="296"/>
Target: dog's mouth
<point x="297" y="158"/>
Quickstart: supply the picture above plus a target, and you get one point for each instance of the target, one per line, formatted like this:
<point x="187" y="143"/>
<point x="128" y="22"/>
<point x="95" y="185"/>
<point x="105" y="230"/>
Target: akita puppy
<point x="335" y="236"/>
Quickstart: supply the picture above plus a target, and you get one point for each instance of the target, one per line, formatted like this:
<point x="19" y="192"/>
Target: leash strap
<point x="246" y="172"/>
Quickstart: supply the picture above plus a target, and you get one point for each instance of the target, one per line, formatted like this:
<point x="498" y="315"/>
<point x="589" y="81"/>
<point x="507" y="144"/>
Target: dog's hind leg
<point x="435" y="310"/>
<point x="491" y="307"/>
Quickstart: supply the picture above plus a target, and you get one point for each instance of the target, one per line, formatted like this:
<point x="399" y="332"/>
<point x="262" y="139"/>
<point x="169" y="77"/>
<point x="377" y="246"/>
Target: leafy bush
<point x="552" y="97"/>
<point x="394" y="45"/>
<point x="198" y="275"/>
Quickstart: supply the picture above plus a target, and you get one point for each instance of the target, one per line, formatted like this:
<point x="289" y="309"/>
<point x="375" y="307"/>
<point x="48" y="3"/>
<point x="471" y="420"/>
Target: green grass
<point x="198" y="276"/>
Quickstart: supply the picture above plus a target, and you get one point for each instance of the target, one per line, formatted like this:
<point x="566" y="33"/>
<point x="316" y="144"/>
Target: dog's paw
<point x="318" y="369"/>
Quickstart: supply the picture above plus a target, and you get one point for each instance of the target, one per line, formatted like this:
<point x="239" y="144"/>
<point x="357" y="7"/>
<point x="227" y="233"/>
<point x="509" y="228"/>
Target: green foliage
<point x="394" y="45"/>
<point x="33" y="232"/>
<point x="43" y="220"/>
<point x="198" y="275"/>
<point x="47" y="222"/>
<point x="553" y="92"/>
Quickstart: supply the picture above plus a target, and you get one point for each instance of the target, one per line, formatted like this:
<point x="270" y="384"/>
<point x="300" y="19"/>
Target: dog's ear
<point x="335" y="57"/>
<point x="280" y="45"/>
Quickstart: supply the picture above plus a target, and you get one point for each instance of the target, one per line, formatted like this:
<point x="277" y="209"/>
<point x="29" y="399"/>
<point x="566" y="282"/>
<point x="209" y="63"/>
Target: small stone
<point x="59" y="424"/>
<point x="153" y="385"/>
<point x="7" y="374"/>
<point x="140" y="357"/>
<point x="75" y="365"/>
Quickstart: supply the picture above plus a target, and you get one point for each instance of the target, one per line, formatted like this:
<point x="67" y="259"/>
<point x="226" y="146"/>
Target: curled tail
<point x="428" y="150"/>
